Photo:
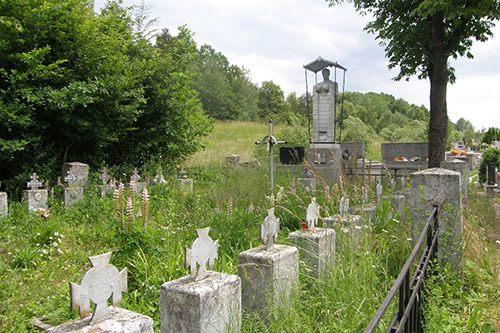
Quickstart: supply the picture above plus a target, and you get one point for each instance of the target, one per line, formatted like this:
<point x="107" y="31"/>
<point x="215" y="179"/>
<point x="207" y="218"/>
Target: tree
<point x="420" y="37"/>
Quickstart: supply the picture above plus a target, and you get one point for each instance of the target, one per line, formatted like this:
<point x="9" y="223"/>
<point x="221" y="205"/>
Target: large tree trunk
<point x="438" y="75"/>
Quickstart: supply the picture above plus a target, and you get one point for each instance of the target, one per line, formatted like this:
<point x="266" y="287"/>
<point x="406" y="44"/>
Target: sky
<point x="273" y="39"/>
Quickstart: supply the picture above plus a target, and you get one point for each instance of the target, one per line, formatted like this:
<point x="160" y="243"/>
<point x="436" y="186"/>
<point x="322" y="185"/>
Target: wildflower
<point x="54" y="244"/>
<point x="497" y="241"/>
<point x="345" y="230"/>
<point x="44" y="251"/>
<point x="59" y="250"/>
<point x="358" y="227"/>
<point x="374" y="267"/>
<point x="397" y="221"/>
<point x="409" y="239"/>
<point x="383" y="230"/>
<point x="56" y="234"/>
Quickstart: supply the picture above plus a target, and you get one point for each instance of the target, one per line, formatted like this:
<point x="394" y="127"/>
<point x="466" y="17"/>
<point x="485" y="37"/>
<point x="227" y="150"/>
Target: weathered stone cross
<point x="104" y="177"/>
<point x="312" y="214"/>
<point x="364" y="194"/>
<point x="380" y="189"/>
<point x="135" y="176"/>
<point x="98" y="284"/>
<point x="203" y="251"/>
<point x="269" y="229"/>
<point x="34" y="183"/>
<point x="71" y="178"/>
<point x="344" y="206"/>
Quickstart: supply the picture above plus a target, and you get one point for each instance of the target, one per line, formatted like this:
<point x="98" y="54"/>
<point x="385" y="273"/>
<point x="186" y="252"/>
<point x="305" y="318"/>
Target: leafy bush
<point x="489" y="155"/>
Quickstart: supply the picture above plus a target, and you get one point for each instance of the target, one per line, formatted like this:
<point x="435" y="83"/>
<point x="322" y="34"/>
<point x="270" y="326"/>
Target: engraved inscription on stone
<point x="269" y="229"/>
<point x="202" y="252"/>
<point x="101" y="282"/>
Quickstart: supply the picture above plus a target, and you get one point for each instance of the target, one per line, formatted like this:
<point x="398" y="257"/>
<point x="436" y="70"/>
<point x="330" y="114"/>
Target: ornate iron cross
<point x="203" y="251"/>
<point x="98" y="284"/>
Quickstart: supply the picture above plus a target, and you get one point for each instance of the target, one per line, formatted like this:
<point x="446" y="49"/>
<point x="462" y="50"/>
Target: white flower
<point x="59" y="240"/>
<point x="497" y="241"/>
<point x="345" y="230"/>
<point x="56" y="234"/>
<point x="54" y="244"/>
<point x="50" y="237"/>
<point x="44" y="251"/>
<point x="397" y="221"/>
<point x="373" y="266"/>
<point x="38" y="234"/>
<point x="59" y="250"/>
<point x="358" y="227"/>
<point x="383" y="230"/>
<point x="409" y="239"/>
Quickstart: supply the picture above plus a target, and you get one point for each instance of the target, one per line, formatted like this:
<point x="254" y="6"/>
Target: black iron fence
<point x="408" y="317"/>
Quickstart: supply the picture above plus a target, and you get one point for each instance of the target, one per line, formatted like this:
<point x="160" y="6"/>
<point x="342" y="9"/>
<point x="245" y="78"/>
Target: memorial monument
<point x="324" y="154"/>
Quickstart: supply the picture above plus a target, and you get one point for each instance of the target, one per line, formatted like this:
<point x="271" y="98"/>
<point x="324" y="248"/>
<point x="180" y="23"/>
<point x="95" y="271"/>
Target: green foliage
<point x="491" y="134"/>
<point x="489" y="155"/>
<point x="75" y="85"/>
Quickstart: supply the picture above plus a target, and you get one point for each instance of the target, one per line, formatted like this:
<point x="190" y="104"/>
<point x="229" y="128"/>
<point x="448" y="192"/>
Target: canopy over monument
<point x="320" y="63"/>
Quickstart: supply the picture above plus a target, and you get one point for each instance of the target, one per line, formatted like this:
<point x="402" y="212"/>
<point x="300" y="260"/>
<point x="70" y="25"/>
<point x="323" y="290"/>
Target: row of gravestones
<point x="76" y="177"/>
<point x="208" y="301"/>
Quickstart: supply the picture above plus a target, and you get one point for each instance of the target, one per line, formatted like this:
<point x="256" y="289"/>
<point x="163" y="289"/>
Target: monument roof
<point x="320" y="63"/>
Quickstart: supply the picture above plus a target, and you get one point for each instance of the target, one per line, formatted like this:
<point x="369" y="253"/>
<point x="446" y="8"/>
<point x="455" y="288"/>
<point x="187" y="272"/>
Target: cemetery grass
<point x="41" y="255"/>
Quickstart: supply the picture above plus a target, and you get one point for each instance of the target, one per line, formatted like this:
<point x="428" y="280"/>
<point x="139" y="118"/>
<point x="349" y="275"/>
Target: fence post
<point x="439" y="187"/>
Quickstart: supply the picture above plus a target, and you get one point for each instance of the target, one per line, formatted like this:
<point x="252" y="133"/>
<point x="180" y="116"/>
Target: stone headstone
<point x="269" y="273"/>
<point x="234" y="160"/>
<point x="80" y="170"/>
<point x="35" y="198"/>
<point x="204" y="301"/>
<point x="73" y="193"/>
<point x="462" y="167"/>
<point x="4" y="210"/>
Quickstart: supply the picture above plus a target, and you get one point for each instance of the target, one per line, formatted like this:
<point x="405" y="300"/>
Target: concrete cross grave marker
<point x="104" y="176"/>
<point x="135" y="176"/>
<point x="364" y="194"/>
<point x="202" y="252"/>
<point x="403" y="182"/>
<point x="269" y="229"/>
<point x="34" y="183"/>
<point x="344" y="206"/>
<point x="393" y="185"/>
<point x="101" y="282"/>
<point x="159" y="179"/>
<point x="71" y="178"/>
<point x="379" y="190"/>
<point x="312" y="214"/>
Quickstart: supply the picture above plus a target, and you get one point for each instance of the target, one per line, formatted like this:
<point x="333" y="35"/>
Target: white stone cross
<point x="269" y="229"/>
<point x="203" y="251"/>
<point x="312" y="214"/>
<point x="71" y="178"/>
<point x="159" y="179"/>
<point x="393" y="185"/>
<point x="403" y="182"/>
<point x="104" y="177"/>
<point x="135" y="176"/>
<point x="344" y="206"/>
<point x="380" y="189"/>
<point x="101" y="282"/>
<point x="34" y="183"/>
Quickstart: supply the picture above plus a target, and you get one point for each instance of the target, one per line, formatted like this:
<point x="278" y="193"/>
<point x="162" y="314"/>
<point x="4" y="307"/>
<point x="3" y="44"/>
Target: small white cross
<point x="312" y="214"/>
<point x="34" y="183"/>
<point x="135" y="176"/>
<point x="269" y="229"/>
<point x="104" y="177"/>
<point x="203" y="251"/>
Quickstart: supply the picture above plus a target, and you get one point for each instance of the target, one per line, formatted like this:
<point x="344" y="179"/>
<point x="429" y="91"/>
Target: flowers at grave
<point x="42" y="212"/>
<point x="50" y="246"/>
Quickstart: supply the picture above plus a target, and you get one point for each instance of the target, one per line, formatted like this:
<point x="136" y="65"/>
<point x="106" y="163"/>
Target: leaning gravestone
<point x="100" y="283"/>
<point x="80" y="170"/>
<point x="4" y="211"/>
<point x="35" y="197"/>
<point x="204" y="301"/>
<point x="316" y="245"/>
<point x="269" y="273"/>
<point x="73" y="193"/>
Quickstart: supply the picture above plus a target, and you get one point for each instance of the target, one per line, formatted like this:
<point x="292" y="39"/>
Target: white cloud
<point x="275" y="38"/>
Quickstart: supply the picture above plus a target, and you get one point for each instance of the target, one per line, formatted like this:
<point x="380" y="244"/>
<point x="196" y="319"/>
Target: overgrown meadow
<point x="42" y="253"/>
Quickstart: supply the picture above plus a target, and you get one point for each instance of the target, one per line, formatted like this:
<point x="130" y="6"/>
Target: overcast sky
<point x="273" y="39"/>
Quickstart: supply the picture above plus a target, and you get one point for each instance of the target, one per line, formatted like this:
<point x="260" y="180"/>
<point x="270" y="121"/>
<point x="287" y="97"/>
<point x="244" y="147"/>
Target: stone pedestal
<point x="72" y="195"/>
<point x="367" y="213"/>
<point x="439" y="187"/>
<point x="399" y="206"/>
<point x="325" y="161"/>
<point x="80" y="170"/>
<point x="185" y="185"/>
<point x="316" y="248"/>
<point x="121" y="321"/>
<point x="233" y="160"/>
<point x="268" y="278"/>
<point x="35" y="199"/>
<point x="309" y="184"/>
<point x="490" y="190"/>
<point x="4" y="210"/>
<point x="212" y="304"/>
<point x="462" y="167"/>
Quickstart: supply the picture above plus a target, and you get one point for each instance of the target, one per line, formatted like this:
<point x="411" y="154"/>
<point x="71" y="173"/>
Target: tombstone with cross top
<point x="269" y="272"/>
<point x="205" y="300"/>
<point x="107" y="185"/>
<point x="35" y="197"/>
<point x="135" y="182"/>
<point x="74" y="192"/>
<point x="100" y="283"/>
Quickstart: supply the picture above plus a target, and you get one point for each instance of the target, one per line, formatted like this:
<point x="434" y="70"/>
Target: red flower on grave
<point x="304" y="224"/>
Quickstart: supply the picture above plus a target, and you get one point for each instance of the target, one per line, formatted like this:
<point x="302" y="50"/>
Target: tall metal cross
<point x="270" y="141"/>
<point x="34" y="183"/>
